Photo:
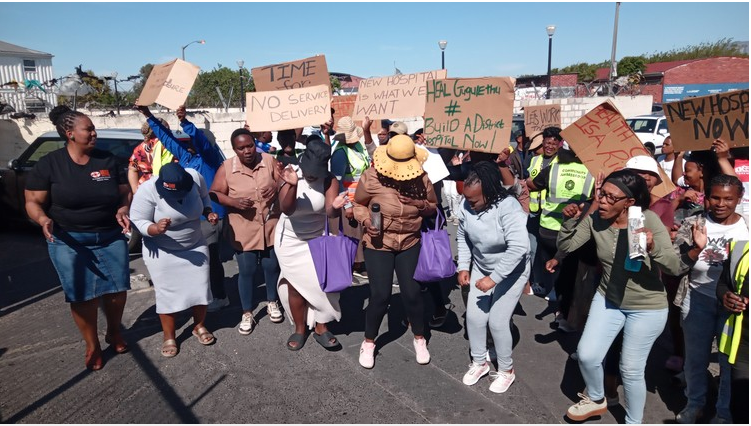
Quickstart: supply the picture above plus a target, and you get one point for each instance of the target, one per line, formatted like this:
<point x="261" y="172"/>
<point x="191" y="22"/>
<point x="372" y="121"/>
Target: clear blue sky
<point x="363" y="39"/>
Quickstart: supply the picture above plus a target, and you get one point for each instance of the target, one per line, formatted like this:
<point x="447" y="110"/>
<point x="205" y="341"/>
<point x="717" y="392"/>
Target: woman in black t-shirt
<point x="80" y="197"/>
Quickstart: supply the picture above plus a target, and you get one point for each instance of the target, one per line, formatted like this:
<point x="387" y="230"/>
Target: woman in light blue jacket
<point x="492" y="235"/>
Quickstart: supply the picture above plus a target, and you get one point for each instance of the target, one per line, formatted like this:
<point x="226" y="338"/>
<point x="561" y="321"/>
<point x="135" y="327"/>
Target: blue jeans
<point x="247" y="263"/>
<point x="702" y="319"/>
<point x="640" y="330"/>
<point x="494" y="309"/>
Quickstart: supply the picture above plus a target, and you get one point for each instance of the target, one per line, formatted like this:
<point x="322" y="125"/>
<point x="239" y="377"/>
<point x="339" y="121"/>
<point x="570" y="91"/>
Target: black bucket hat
<point x="173" y="182"/>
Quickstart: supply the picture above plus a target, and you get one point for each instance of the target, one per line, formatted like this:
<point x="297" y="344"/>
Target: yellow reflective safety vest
<point x="567" y="183"/>
<point x="536" y="197"/>
<point x="731" y="332"/>
<point x="161" y="157"/>
<point x="358" y="161"/>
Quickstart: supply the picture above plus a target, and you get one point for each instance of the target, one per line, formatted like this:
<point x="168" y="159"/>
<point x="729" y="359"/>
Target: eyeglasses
<point x="610" y="198"/>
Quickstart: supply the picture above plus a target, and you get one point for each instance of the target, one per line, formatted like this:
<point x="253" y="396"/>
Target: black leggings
<point x="381" y="266"/>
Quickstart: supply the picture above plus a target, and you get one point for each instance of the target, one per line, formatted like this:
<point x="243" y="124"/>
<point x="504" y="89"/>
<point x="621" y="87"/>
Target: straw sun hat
<point x="399" y="159"/>
<point x="352" y="132"/>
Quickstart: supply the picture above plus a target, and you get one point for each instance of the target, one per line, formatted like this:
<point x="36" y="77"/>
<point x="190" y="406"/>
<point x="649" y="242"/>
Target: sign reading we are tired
<point x="604" y="142"/>
<point x="292" y="75"/>
<point x="396" y="96"/>
<point x="469" y="113"/>
<point x="695" y="122"/>
<point x="288" y="109"/>
<point x="169" y="84"/>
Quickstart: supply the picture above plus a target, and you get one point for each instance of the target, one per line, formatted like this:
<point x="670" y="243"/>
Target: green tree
<point x="629" y="65"/>
<point x="722" y="47"/>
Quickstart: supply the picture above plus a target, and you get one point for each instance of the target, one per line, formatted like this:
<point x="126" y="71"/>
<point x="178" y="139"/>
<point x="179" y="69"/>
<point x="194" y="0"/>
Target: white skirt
<point x="181" y="278"/>
<point x="298" y="270"/>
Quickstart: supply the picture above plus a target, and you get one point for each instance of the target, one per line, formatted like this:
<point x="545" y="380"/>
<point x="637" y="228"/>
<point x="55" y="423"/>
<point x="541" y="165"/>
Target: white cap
<point x="644" y="163"/>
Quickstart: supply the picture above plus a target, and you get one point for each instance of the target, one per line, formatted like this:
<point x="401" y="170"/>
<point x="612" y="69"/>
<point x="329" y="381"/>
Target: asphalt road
<point x="254" y="379"/>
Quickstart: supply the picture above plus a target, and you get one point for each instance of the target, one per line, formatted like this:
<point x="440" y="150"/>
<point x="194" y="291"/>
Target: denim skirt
<point x="90" y="264"/>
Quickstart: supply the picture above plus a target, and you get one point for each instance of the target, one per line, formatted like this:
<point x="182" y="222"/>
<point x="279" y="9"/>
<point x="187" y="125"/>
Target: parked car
<point x="120" y="142"/>
<point x="650" y="129"/>
<point x="517" y="125"/>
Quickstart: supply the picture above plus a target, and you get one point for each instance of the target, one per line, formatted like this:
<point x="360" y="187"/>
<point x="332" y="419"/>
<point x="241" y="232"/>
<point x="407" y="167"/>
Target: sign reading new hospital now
<point x="695" y="122"/>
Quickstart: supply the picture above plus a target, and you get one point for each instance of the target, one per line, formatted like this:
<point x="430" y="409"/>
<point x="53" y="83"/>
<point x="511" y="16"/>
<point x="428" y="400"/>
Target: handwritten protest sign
<point x="538" y="118"/>
<point x="396" y="96"/>
<point x="288" y="109"/>
<point x="169" y="84"/>
<point x="469" y="113"/>
<point x="695" y="122"/>
<point x="292" y="75"/>
<point x="604" y="142"/>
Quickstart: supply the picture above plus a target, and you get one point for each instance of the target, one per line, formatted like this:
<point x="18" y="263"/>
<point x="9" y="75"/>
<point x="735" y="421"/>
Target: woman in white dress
<point x="168" y="212"/>
<point x="307" y="196"/>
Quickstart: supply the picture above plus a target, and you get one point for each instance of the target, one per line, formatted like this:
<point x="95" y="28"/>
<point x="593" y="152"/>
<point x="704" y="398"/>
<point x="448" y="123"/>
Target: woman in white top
<point x="307" y="196"/>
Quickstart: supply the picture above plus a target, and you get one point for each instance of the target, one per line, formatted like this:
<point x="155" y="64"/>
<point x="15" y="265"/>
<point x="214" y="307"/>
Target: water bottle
<point x="637" y="242"/>
<point x="375" y="216"/>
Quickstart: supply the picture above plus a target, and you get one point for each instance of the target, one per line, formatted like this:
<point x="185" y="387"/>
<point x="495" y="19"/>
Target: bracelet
<point x="424" y="205"/>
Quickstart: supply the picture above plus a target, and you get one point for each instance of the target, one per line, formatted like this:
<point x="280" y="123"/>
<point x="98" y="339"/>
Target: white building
<point x="20" y="69"/>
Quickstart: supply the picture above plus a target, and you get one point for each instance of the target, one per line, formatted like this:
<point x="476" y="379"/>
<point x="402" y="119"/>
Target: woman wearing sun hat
<point x="402" y="189"/>
<point x="349" y="160"/>
<point x="168" y="212"/>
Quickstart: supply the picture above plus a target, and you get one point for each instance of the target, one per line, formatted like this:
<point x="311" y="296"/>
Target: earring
<point x="73" y="138"/>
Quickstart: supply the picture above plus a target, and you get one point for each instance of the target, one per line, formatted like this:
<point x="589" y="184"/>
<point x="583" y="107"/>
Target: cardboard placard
<point x="396" y="96"/>
<point x="539" y="117"/>
<point x="695" y="122"/>
<point x="604" y="142"/>
<point x="292" y="75"/>
<point x="288" y="109"/>
<point x="469" y="113"/>
<point x="169" y="84"/>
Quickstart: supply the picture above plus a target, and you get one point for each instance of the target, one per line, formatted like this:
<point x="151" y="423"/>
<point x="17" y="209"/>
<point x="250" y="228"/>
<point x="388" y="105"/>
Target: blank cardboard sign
<point x="169" y="84"/>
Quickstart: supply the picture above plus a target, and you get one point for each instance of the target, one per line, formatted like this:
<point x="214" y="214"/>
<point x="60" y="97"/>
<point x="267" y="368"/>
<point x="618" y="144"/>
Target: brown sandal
<point x="169" y="348"/>
<point x="204" y="336"/>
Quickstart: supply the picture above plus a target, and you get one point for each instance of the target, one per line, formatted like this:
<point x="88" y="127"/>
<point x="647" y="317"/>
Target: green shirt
<point x="641" y="290"/>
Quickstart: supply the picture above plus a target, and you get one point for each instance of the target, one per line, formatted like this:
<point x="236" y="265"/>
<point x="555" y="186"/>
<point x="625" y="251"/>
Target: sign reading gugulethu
<point x="695" y="122"/>
<point x="169" y="84"/>
<point x="396" y="96"/>
<point x="469" y="113"/>
<point x="288" y="109"/>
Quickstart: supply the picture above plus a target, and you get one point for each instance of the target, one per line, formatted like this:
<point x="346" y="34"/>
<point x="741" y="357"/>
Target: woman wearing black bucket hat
<point x="307" y="196"/>
<point x="168" y="212"/>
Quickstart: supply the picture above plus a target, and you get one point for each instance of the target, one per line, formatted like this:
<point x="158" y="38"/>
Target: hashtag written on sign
<point x="452" y="108"/>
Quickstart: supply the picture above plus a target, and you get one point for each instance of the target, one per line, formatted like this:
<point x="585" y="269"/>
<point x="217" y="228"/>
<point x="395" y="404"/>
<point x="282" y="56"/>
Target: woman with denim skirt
<point x="80" y="195"/>
<point x="633" y="301"/>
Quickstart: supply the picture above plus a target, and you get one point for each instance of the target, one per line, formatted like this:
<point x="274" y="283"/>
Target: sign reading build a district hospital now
<point x="396" y="96"/>
<point x="288" y="109"/>
<point x="605" y="142"/>
<point x="169" y="84"/>
<point x="292" y="75"/>
<point x="469" y="113"/>
<point x="695" y="122"/>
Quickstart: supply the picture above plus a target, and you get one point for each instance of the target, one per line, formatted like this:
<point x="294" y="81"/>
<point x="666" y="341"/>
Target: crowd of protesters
<point x="531" y="220"/>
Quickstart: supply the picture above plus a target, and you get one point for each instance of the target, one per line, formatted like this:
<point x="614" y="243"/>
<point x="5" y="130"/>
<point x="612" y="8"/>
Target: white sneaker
<point x="217" y="304"/>
<point x="246" y="324"/>
<point x="501" y="381"/>
<point x="275" y="314"/>
<point x="476" y="371"/>
<point x="421" y="351"/>
<point x="367" y="359"/>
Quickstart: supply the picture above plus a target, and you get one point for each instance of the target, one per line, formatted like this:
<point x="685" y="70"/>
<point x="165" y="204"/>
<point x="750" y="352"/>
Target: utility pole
<point x="612" y="53"/>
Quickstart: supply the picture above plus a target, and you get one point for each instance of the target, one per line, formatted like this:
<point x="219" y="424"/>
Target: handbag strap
<point x="327" y="226"/>
<point x="341" y="225"/>
<point x="439" y="219"/>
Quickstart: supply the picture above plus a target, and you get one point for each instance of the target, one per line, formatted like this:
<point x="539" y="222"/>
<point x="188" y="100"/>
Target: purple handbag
<point x="436" y="261"/>
<point x="333" y="256"/>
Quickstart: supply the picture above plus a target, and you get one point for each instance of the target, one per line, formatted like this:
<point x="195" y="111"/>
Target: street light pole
<point x="612" y="53"/>
<point x="551" y="30"/>
<point x="442" y="44"/>
<point x="195" y="41"/>
<point x="117" y="99"/>
<point x="240" y="64"/>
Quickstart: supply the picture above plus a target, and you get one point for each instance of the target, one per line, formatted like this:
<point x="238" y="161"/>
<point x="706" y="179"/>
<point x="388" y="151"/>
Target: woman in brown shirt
<point x="246" y="185"/>
<point x="405" y="195"/>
